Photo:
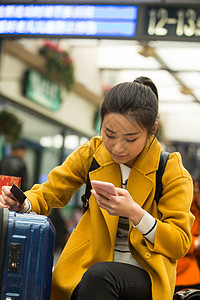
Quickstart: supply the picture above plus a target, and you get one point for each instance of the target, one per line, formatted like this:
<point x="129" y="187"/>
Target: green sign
<point x="42" y="91"/>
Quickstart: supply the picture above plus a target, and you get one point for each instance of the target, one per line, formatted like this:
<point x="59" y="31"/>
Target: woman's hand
<point x="7" y="200"/>
<point x="121" y="205"/>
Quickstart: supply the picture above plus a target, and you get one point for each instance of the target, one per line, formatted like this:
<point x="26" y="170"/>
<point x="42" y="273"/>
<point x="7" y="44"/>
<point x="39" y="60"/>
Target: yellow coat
<point x="93" y="239"/>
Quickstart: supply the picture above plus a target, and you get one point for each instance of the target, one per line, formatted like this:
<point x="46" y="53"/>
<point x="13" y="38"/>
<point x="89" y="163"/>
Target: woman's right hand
<point x="7" y="200"/>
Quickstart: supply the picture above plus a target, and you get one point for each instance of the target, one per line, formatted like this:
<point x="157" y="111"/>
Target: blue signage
<point x="68" y="20"/>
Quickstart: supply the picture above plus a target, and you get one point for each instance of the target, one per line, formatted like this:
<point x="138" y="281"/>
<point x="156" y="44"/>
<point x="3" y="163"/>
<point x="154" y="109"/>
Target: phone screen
<point x="102" y="185"/>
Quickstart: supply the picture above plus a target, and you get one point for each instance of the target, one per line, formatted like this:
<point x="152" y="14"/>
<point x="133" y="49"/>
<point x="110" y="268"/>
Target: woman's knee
<point x="95" y="273"/>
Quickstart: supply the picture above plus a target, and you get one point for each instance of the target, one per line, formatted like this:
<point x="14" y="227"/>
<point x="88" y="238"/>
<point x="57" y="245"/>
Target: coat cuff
<point x="27" y="207"/>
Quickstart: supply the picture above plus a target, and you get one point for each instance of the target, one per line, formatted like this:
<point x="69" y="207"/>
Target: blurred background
<point x="58" y="59"/>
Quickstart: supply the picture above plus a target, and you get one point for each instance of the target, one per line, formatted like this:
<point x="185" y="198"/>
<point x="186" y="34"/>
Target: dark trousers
<point x="113" y="281"/>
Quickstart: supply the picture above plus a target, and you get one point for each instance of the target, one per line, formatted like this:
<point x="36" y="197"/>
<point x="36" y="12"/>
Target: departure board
<point x="69" y="20"/>
<point x="172" y="22"/>
<point x="137" y="22"/>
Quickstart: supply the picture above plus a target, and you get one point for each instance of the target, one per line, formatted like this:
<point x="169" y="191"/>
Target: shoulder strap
<point x="85" y="198"/>
<point x="161" y="168"/>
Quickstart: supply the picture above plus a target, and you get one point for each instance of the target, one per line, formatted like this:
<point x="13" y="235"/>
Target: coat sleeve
<point x="173" y="234"/>
<point x="63" y="181"/>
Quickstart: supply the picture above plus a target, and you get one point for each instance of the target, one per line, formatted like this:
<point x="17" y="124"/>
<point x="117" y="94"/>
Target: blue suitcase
<point x="26" y="256"/>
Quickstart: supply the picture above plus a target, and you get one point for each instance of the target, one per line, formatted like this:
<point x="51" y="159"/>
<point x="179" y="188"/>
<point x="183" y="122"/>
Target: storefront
<point x="50" y="133"/>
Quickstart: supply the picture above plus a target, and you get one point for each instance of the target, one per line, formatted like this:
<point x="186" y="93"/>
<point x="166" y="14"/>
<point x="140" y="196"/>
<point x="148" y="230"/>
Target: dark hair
<point x="138" y="99"/>
<point x="18" y="145"/>
<point x="147" y="81"/>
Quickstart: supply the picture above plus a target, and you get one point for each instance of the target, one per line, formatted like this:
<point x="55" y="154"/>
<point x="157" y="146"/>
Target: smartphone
<point x="17" y="192"/>
<point x="105" y="186"/>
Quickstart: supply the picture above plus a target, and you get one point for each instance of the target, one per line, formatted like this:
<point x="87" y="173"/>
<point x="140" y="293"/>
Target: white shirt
<point x="147" y="227"/>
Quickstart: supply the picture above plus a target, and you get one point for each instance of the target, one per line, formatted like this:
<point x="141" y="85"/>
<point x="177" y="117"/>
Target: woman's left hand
<point x="121" y="205"/>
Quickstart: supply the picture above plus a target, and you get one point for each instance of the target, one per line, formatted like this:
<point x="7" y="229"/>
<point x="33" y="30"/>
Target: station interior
<point x="99" y="64"/>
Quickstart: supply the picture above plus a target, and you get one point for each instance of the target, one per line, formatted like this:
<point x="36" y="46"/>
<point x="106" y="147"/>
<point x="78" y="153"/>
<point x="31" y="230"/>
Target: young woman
<point x="125" y="246"/>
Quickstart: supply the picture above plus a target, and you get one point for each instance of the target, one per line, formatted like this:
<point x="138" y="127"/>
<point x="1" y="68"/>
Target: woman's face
<point x="124" y="139"/>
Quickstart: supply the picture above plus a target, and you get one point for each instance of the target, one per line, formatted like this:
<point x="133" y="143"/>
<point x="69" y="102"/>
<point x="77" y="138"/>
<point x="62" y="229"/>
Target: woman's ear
<point x="154" y="128"/>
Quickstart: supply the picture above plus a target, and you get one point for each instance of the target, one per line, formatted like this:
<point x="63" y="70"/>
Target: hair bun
<point x="147" y="81"/>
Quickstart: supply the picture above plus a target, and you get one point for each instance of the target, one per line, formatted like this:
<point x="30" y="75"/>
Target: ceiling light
<point x="180" y="58"/>
<point x="124" y="57"/>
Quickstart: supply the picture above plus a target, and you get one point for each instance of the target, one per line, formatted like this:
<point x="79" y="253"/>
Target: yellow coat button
<point x="147" y="255"/>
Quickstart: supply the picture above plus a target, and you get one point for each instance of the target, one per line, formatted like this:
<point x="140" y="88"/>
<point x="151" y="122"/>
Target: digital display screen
<point x="68" y="20"/>
<point x="177" y="22"/>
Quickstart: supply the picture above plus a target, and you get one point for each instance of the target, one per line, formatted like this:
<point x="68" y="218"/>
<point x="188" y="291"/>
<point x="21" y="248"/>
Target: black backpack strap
<point x="162" y="164"/>
<point x="85" y="198"/>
